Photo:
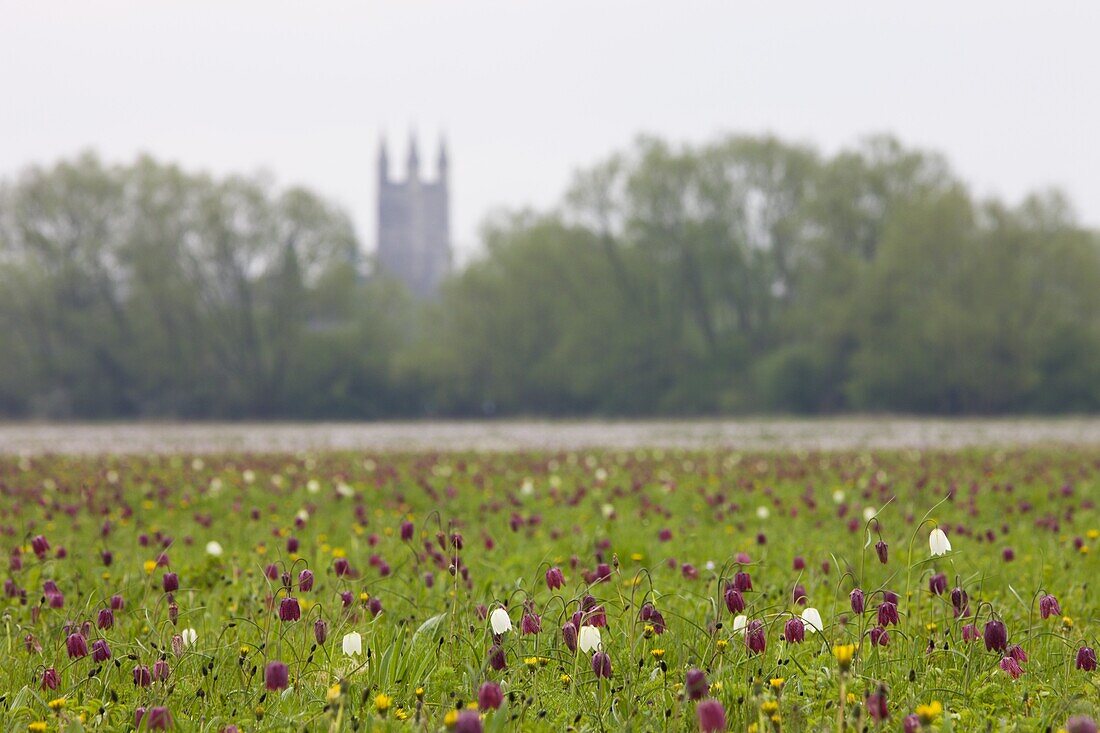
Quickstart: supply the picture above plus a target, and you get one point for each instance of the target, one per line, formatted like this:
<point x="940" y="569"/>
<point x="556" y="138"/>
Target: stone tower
<point x="414" y="233"/>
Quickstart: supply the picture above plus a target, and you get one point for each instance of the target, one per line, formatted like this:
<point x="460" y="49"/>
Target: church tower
<point x="414" y="232"/>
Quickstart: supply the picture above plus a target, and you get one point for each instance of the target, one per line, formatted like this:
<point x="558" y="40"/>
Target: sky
<point x="528" y="92"/>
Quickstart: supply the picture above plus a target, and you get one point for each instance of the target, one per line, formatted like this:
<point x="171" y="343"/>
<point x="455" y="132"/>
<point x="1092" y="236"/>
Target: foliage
<point x="434" y="542"/>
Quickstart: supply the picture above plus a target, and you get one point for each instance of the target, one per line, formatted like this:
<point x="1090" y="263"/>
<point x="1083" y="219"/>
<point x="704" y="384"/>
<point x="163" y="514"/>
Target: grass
<point x="665" y="528"/>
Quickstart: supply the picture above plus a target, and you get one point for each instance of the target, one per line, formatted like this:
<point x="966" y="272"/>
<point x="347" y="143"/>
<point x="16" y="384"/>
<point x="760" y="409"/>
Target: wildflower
<point x="1086" y="659"/>
<point x="887" y="613"/>
<point x="929" y="713"/>
<point x="857" y="599"/>
<point x="77" y="646"/>
<point x="569" y="635"/>
<point x="695" y="683"/>
<point x="105" y="619"/>
<point x="911" y="723"/>
<point x="500" y="622"/>
<point x="711" y="716"/>
<point x="142" y="676"/>
<point x="40" y="546"/>
<point x="289" y="610"/>
<point x="588" y="639"/>
<point x="51" y="680"/>
<point x="740" y="622"/>
<point x="755" y="638"/>
<point x="960" y="601"/>
<point x="57" y="704"/>
<point x="844" y="654"/>
<point x="656" y="653"/>
<point x="880" y="636"/>
<point x="38" y="726"/>
<point x="170" y="582"/>
<point x="735" y="602"/>
<point x="938" y="543"/>
<point x="496" y="657"/>
<point x="214" y="549"/>
<point x="812" y="617"/>
<point x="794" y="632"/>
<point x="937" y="584"/>
<point x="776" y="683"/>
<point x="995" y="635"/>
<point x="554" y="578"/>
<point x="883" y="551"/>
<point x="1080" y="724"/>
<point x="1012" y="667"/>
<point x="489" y="696"/>
<point x="1048" y="606"/>
<point x="305" y="580"/>
<point x="531" y="623"/>
<point x="601" y="664"/>
<point x="382" y="703"/>
<point x="468" y="721"/>
<point x="189" y="636"/>
<point x="352" y="644"/>
<point x="276" y="676"/>
<point x="161" y="670"/>
<point x="742" y="582"/>
<point x="876" y="705"/>
<point x="100" y="651"/>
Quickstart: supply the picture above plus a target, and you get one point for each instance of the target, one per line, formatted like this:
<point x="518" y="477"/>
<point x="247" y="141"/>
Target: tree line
<point x="741" y="275"/>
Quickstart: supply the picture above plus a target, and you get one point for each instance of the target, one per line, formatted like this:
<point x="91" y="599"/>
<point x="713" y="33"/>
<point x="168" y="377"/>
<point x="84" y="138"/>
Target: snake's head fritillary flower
<point x="711" y="716"/>
<point x="289" y="609"/>
<point x="531" y="623"/>
<point x="742" y="581"/>
<point x="51" y="680"/>
<point x="76" y="646"/>
<point x="755" y="638"/>
<point x="100" y="651"/>
<point x="938" y="544"/>
<point x="601" y="665"/>
<point x="794" y="631"/>
<point x="276" y="676"/>
<point x="883" y="551"/>
<point x="695" y="683"/>
<point x="735" y="601"/>
<point x="911" y="723"/>
<point x="142" y="676"/>
<point x="352" y="643"/>
<point x="887" y="613"/>
<point x="588" y="639"/>
<point x="1048" y="606"/>
<point x="877" y="706"/>
<point x="500" y="622"/>
<point x="937" y="584"/>
<point x="305" y="580"/>
<point x="880" y="636"/>
<point x="468" y="721"/>
<point x="858" y="600"/>
<point x="569" y="635"/>
<point x="489" y="696"/>
<point x="1012" y="667"/>
<point x="214" y="548"/>
<point x="105" y="619"/>
<point x="1081" y="724"/>
<point x="170" y="582"/>
<point x="1086" y="659"/>
<point x="554" y="578"/>
<point x="496" y="657"/>
<point x="995" y="636"/>
<point x="960" y="601"/>
<point x="812" y="617"/>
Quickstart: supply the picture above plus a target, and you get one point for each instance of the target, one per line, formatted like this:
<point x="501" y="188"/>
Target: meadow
<point x="592" y="590"/>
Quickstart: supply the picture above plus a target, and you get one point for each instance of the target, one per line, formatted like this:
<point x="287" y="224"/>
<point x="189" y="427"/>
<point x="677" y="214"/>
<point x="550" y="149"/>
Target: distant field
<point x="589" y="590"/>
<point x="850" y="433"/>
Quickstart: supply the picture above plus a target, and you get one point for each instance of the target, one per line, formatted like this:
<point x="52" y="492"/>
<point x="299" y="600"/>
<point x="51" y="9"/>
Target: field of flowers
<point x="589" y="590"/>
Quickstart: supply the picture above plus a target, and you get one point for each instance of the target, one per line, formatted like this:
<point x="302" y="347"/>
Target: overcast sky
<point x="528" y="91"/>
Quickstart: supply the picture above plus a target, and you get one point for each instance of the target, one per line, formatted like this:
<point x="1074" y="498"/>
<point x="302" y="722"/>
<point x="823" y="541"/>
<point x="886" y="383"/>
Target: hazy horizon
<point x="527" y="93"/>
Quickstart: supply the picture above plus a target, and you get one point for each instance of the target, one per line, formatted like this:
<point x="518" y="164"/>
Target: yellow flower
<point x="401" y="714"/>
<point x="1093" y="534"/>
<point x="57" y="703"/>
<point x="1067" y="622"/>
<point x="930" y="626"/>
<point x="531" y="662"/>
<point x="382" y="702"/>
<point x="929" y="713"/>
<point x="637" y="556"/>
<point x="333" y="693"/>
<point x="722" y="644"/>
<point x="364" y="597"/>
<point x="150" y="566"/>
<point x="715" y="688"/>
<point x="419" y="693"/>
<point x="777" y="682"/>
<point x="648" y="631"/>
<point x="769" y="707"/>
<point x="566" y="679"/>
<point x="844" y="654"/>
<point x="450" y="718"/>
<point x="657" y="653"/>
<point x="39" y="726"/>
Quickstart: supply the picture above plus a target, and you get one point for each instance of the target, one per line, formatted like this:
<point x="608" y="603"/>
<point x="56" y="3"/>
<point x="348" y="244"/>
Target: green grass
<point x="570" y="510"/>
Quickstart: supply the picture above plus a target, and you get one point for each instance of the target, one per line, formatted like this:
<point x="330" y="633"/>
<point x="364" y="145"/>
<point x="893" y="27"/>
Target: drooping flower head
<point x="938" y="544"/>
